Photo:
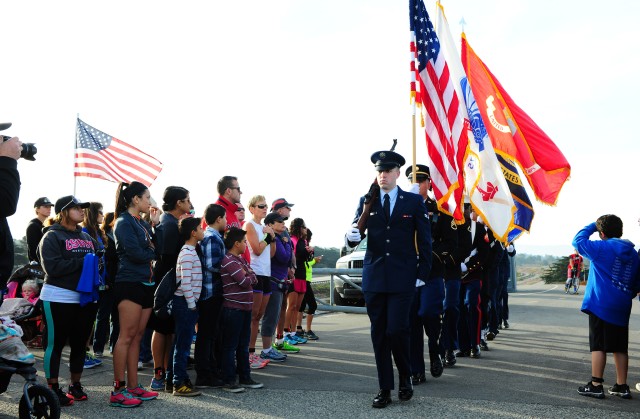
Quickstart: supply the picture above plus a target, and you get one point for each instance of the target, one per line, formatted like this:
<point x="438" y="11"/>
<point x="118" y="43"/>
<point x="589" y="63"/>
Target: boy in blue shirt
<point x="613" y="283"/>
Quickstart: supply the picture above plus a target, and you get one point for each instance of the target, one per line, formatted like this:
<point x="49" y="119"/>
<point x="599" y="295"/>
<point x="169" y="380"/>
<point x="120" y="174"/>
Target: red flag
<point x="514" y="133"/>
<point x="102" y="156"/>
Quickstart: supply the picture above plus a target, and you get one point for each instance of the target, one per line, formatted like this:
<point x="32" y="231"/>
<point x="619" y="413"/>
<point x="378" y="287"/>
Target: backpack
<point x="163" y="297"/>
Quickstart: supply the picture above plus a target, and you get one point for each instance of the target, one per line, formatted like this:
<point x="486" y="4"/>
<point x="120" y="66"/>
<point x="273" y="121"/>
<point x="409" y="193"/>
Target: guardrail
<point x="342" y="274"/>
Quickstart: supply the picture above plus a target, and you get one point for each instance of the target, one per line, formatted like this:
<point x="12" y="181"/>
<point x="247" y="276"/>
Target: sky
<point x="293" y="97"/>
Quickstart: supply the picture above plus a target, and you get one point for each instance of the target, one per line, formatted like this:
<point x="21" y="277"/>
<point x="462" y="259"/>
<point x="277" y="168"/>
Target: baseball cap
<point x="68" y="202"/>
<point x="4" y="125"/>
<point x="280" y="203"/>
<point x="42" y="202"/>
<point x="273" y="217"/>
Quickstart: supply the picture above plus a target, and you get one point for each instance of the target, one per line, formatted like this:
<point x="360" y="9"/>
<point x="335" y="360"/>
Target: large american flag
<point x="444" y="127"/>
<point x="102" y="156"/>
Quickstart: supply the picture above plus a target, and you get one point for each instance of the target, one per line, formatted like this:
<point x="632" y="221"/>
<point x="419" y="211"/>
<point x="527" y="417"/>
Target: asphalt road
<point x="532" y="370"/>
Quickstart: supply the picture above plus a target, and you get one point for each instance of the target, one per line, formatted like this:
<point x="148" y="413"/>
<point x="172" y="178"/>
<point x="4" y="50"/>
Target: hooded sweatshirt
<point x="62" y="254"/>
<point x="613" y="277"/>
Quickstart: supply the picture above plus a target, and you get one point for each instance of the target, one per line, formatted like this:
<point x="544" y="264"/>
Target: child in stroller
<point x="22" y="303"/>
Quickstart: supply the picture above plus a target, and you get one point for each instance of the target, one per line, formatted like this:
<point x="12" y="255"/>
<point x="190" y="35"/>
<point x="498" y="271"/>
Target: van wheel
<point x="337" y="299"/>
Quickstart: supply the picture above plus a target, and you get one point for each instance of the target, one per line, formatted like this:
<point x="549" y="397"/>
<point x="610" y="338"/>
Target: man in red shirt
<point x="229" y="198"/>
<point x="573" y="272"/>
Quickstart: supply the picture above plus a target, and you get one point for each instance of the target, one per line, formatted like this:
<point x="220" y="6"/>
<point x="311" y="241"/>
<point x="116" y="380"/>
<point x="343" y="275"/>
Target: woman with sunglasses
<point x="259" y="238"/>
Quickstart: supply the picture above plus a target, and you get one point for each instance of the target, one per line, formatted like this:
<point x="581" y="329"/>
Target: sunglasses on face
<point x="263" y="206"/>
<point x="240" y="209"/>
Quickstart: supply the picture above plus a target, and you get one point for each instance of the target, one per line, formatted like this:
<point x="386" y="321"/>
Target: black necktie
<point x="387" y="207"/>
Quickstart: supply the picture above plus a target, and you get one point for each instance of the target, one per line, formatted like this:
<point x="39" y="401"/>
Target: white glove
<point x="353" y="234"/>
<point x="463" y="267"/>
<point x="510" y="248"/>
<point x="420" y="283"/>
<point x="415" y="188"/>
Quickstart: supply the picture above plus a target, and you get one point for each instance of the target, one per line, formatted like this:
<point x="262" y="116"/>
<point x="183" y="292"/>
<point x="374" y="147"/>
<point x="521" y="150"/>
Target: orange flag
<point x="513" y="133"/>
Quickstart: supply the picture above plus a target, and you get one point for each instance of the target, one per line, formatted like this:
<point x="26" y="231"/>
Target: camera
<point x="29" y="150"/>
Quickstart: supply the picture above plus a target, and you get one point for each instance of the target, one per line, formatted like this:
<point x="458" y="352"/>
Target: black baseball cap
<point x="43" y="202"/>
<point x="4" y="125"/>
<point x="68" y="202"/>
<point x="273" y="217"/>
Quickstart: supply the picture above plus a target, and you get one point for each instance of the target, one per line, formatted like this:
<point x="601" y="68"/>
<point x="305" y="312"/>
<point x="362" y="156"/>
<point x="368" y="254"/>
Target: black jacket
<point x="9" y="194"/>
<point x="444" y="241"/>
<point x="34" y="235"/>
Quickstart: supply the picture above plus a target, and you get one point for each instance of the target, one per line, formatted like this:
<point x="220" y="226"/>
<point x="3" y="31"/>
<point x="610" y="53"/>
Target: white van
<point x="343" y="292"/>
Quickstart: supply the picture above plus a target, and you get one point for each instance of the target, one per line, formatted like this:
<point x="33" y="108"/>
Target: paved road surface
<point x="532" y="370"/>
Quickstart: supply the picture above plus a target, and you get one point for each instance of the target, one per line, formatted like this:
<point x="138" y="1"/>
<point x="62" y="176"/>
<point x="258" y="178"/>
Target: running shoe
<point x="90" y="361"/>
<point x="255" y="362"/>
<point x="291" y="340"/>
<point x="592" y="391"/>
<point x="310" y="335"/>
<point x="62" y="397"/>
<point x="233" y="388"/>
<point x="123" y="398"/>
<point x="286" y="347"/>
<point x="299" y="336"/>
<point x="185" y="390"/>
<point x="142" y="394"/>
<point x="620" y="390"/>
<point x="250" y="384"/>
<point x="273" y="355"/>
<point x="76" y="392"/>
<point x="157" y="384"/>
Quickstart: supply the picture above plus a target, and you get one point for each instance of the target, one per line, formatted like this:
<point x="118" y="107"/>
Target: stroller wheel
<point x="44" y="402"/>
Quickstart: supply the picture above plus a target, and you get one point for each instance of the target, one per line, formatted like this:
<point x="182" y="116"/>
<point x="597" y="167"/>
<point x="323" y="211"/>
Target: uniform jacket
<point x="444" y="241"/>
<point x="62" y="253"/>
<point x="391" y="262"/>
<point x="9" y="194"/>
<point x="479" y="243"/>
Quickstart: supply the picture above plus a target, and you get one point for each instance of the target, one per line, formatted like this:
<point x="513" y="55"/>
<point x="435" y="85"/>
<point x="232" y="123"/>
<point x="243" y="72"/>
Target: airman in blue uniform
<point x="398" y="258"/>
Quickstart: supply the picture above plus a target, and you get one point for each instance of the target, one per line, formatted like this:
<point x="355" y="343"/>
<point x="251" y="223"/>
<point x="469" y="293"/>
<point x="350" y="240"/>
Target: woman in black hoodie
<point x="62" y="252"/>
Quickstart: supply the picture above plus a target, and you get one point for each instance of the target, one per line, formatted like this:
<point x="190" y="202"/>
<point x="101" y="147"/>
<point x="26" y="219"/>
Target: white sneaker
<point x="140" y="366"/>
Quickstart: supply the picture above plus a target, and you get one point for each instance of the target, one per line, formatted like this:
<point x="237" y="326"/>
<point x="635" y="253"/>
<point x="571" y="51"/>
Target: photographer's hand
<point x="11" y="148"/>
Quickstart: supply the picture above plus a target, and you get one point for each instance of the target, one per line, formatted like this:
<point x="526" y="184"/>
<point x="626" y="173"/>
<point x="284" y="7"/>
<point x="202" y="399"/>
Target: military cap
<point x="385" y="160"/>
<point x="422" y="172"/>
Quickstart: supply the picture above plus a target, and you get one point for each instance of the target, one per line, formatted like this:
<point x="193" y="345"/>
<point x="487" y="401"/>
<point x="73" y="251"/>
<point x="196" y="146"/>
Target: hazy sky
<point x="294" y="96"/>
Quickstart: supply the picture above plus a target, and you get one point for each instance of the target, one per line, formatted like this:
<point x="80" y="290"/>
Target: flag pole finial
<point x="462" y="23"/>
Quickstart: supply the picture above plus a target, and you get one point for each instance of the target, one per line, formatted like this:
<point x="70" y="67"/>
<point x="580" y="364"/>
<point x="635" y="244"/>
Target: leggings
<point x="65" y="321"/>
<point x="310" y="300"/>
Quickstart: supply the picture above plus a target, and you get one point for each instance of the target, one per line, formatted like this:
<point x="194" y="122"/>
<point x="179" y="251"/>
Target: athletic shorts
<point x="607" y="337"/>
<point x="135" y="292"/>
<point x="264" y="285"/>
<point x="300" y="285"/>
<point x="162" y="326"/>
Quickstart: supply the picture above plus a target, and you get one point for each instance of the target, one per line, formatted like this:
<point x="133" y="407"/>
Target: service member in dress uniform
<point x="398" y="258"/>
<point x="429" y="302"/>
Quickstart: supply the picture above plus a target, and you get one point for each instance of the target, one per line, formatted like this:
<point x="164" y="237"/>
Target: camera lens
<point x="29" y="150"/>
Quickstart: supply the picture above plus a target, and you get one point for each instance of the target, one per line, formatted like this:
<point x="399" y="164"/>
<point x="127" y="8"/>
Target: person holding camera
<point x="9" y="193"/>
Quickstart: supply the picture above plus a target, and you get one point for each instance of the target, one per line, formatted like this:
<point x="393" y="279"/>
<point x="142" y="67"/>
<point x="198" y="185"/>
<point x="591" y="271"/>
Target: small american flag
<point x="444" y="126"/>
<point x="102" y="156"/>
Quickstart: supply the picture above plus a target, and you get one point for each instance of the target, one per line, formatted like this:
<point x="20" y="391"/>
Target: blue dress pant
<point x="449" y="338"/>
<point x="469" y="324"/>
<point x="390" y="333"/>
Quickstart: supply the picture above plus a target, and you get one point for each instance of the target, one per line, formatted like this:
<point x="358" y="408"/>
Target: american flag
<point x="445" y="130"/>
<point x="102" y="156"/>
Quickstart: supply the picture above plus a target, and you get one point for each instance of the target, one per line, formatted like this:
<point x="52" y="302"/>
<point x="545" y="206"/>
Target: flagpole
<point x="74" y="152"/>
<point x="412" y="49"/>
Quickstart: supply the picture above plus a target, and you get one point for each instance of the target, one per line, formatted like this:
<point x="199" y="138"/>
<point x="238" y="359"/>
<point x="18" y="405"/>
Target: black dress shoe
<point x="417" y="379"/>
<point x="449" y="359"/>
<point x="475" y="352"/>
<point x="462" y="354"/>
<point x="483" y="345"/>
<point x="436" y="365"/>
<point x="383" y="399"/>
<point x="405" y="388"/>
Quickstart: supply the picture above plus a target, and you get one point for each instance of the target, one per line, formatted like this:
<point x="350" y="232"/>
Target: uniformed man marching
<point x="398" y="258"/>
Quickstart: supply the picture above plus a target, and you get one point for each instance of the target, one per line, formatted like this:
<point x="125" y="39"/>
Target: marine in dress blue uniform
<point x="398" y="256"/>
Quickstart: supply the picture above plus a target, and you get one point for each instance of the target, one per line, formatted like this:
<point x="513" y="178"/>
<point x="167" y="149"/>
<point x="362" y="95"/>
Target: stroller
<point x="30" y="322"/>
<point x="37" y="401"/>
